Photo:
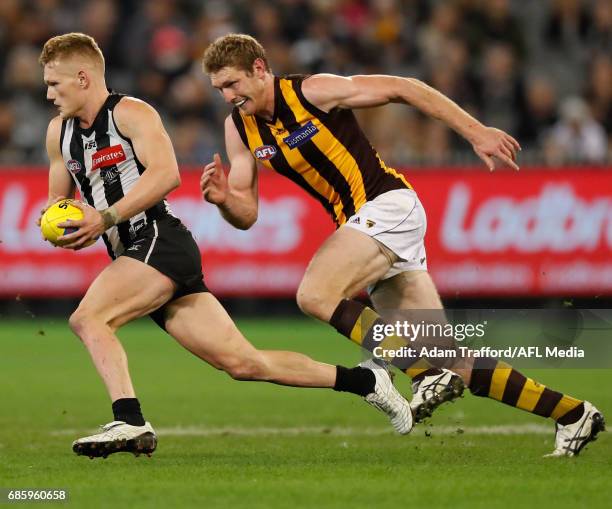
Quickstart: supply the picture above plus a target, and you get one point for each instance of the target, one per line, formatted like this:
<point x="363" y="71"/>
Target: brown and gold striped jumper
<point x="327" y="154"/>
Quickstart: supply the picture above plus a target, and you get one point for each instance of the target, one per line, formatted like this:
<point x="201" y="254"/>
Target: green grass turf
<point x="48" y="385"/>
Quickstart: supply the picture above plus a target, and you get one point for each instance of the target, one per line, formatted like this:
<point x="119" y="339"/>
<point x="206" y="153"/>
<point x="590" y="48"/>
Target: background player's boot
<point x="571" y="438"/>
<point x="431" y="391"/>
<point x="117" y="436"/>
<point x="387" y="398"/>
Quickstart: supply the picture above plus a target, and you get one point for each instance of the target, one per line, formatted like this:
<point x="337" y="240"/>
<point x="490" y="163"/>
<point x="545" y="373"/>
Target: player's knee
<point x="307" y="303"/>
<point x="82" y="321"/>
<point x="314" y="304"/>
<point x="78" y="322"/>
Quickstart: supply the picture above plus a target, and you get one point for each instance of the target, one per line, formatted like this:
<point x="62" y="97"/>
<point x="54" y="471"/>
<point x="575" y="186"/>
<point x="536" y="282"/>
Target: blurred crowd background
<point x="540" y="70"/>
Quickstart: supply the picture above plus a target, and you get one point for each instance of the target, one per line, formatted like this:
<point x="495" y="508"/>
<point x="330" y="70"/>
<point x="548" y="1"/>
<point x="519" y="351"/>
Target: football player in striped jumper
<point x="115" y="151"/>
<point x="303" y="127"/>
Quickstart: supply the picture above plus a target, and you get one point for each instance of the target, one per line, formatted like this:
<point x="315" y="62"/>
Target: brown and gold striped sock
<point x="497" y="380"/>
<point x="356" y="321"/>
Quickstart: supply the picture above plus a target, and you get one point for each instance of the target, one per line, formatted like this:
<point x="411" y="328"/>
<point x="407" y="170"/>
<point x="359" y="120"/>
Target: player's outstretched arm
<point x="235" y="194"/>
<point x="140" y="123"/>
<point x="61" y="184"/>
<point x="327" y="91"/>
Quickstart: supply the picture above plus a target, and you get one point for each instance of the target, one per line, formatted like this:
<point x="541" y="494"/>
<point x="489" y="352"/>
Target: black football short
<point x="168" y="246"/>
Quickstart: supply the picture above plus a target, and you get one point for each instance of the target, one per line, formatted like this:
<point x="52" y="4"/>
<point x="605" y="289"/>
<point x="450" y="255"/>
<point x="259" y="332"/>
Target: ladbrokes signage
<point x="535" y="232"/>
<point x="527" y="233"/>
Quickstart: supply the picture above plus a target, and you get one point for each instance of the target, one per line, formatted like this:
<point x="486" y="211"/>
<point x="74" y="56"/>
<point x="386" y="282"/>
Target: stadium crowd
<point x="542" y="71"/>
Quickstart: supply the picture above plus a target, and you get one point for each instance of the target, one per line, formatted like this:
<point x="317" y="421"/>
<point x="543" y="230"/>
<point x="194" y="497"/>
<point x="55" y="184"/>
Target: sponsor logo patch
<point x="265" y="152"/>
<point x="73" y="166"/>
<point x="107" y="157"/>
<point x="135" y="228"/>
<point x="301" y="135"/>
<point x="109" y="175"/>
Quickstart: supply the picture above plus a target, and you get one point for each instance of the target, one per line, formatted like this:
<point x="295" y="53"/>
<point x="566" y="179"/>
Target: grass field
<point x="238" y="444"/>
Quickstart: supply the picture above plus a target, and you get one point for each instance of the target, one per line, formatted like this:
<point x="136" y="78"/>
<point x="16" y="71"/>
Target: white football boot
<point x="571" y="438"/>
<point x="431" y="391"/>
<point x="117" y="436"/>
<point x="387" y="398"/>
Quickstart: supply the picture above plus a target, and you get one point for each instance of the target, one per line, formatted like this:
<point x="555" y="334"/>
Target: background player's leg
<point x="493" y="379"/>
<point x="407" y="290"/>
<point x="413" y="290"/>
<point x="201" y="325"/>
<point x="123" y="291"/>
<point x="346" y="263"/>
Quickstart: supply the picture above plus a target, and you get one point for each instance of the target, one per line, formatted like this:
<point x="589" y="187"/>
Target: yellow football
<point x="56" y="214"/>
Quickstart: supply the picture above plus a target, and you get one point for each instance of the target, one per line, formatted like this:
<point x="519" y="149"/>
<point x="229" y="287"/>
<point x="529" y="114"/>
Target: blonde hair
<point x="233" y="50"/>
<point x="69" y="45"/>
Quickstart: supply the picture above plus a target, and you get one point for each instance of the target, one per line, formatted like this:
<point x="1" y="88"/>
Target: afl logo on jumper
<point x="73" y="166"/>
<point x="265" y="152"/>
<point x="107" y="157"/>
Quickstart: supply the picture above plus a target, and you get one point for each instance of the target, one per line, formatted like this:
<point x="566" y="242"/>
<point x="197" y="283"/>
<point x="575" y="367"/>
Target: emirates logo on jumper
<point x="107" y="157"/>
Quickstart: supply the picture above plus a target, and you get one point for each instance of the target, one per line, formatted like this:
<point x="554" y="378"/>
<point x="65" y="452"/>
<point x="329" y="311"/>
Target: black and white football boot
<point x="117" y="436"/>
<point x="387" y="398"/>
<point x="571" y="438"/>
<point x="431" y="391"/>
